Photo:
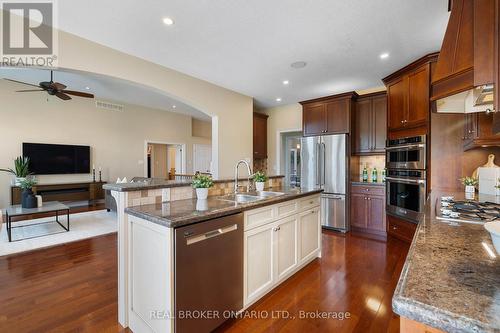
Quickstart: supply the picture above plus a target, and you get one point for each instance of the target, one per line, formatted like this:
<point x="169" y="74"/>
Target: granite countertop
<point x="183" y="212"/>
<point x="449" y="281"/>
<point x="152" y="184"/>
<point x="360" y="182"/>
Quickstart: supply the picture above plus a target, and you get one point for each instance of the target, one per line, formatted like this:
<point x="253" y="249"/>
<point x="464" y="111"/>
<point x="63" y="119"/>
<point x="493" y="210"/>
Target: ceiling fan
<point x="53" y="89"/>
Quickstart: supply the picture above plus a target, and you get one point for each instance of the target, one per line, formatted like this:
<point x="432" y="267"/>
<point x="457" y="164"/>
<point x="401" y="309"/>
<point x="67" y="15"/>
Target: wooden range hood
<point x="466" y="62"/>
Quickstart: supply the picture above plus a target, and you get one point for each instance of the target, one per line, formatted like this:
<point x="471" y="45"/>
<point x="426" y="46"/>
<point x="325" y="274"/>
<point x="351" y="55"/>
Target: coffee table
<point x="48" y="207"/>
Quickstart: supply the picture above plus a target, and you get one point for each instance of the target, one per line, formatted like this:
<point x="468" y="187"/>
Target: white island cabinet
<point x="279" y="240"/>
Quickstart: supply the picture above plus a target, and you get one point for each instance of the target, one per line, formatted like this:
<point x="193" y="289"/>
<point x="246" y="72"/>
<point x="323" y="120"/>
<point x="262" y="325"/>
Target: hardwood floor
<point x="72" y="288"/>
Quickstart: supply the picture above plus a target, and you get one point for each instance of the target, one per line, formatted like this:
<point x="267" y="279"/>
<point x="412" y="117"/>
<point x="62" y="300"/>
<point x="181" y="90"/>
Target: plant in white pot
<point x="260" y="179"/>
<point x="21" y="169"/>
<point x="202" y="183"/>
<point x="470" y="184"/>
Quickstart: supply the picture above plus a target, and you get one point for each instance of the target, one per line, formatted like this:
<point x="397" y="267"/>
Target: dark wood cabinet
<point x="418" y="97"/>
<point x="468" y="52"/>
<point x="314" y="119"/>
<point x="369" y="124"/>
<point x="259" y="135"/>
<point x="408" y="94"/>
<point x="327" y="115"/>
<point x="478" y="131"/>
<point x="397" y="107"/>
<point x="368" y="209"/>
<point x="400" y="229"/>
<point x="409" y="99"/>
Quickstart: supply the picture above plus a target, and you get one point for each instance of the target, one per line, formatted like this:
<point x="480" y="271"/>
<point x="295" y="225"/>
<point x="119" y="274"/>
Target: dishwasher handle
<point x="211" y="234"/>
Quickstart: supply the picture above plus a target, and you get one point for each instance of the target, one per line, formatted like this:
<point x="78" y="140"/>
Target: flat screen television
<point x="49" y="159"/>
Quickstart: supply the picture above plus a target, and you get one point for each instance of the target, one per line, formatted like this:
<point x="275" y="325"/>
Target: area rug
<point x="82" y="226"/>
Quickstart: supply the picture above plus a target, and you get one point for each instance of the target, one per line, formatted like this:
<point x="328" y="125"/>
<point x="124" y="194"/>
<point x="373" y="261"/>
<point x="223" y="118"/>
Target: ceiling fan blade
<point x="58" y="86"/>
<point x="28" y="84"/>
<point x="29" y="90"/>
<point x="63" y="96"/>
<point x="78" y="93"/>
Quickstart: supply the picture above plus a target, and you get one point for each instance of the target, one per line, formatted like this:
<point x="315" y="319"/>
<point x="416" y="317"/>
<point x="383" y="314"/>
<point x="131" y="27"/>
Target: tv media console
<point x="64" y="192"/>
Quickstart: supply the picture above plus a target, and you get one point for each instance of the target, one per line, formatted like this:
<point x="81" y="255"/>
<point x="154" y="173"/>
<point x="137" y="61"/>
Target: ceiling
<point x="104" y="88"/>
<point x="248" y="46"/>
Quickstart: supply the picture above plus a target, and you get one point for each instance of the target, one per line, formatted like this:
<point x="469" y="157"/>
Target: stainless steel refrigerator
<point x="325" y="164"/>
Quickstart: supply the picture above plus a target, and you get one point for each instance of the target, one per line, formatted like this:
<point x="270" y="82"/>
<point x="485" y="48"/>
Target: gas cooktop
<point x="467" y="211"/>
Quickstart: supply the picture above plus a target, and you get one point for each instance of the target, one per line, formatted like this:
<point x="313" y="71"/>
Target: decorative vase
<point x="201" y="205"/>
<point x="202" y="193"/>
<point x="28" y="199"/>
<point x="470" y="189"/>
<point x="259" y="186"/>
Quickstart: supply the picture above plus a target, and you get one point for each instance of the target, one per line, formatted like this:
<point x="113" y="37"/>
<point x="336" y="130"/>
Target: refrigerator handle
<point x="324" y="163"/>
<point x="318" y="181"/>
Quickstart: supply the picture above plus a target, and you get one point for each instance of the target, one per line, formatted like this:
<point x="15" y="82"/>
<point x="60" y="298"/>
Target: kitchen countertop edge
<point x="138" y="211"/>
<point x="139" y="186"/>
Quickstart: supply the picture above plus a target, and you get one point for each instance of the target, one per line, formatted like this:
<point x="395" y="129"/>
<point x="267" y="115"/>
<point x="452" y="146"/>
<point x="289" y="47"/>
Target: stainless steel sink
<point x="240" y="198"/>
<point x="269" y="194"/>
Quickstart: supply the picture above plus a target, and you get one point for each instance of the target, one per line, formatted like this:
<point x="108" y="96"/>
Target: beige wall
<point x="287" y="118"/>
<point x="233" y="110"/>
<point x="201" y="128"/>
<point x="117" y="138"/>
<point x="284" y="118"/>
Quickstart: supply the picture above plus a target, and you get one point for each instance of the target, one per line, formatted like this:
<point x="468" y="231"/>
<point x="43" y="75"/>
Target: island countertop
<point x="449" y="281"/>
<point x="178" y="213"/>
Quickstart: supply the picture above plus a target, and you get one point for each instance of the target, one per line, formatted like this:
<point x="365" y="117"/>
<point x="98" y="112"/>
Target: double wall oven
<point x="406" y="177"/>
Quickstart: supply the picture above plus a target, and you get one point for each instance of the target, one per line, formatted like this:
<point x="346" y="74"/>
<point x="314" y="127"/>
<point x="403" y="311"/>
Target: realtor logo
<point x="29" y="37"/>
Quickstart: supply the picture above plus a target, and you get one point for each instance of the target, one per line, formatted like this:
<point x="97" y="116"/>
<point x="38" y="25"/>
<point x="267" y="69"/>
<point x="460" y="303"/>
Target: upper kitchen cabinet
<point x="369" y="124"/>
<point x="408" y="92"/>
<point x="259" y="135"/>
<point x="327" y="115"/>
<point x="467" y="56"/>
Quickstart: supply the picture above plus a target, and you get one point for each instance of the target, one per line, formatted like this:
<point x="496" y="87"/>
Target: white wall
<point x="117" y="138"/>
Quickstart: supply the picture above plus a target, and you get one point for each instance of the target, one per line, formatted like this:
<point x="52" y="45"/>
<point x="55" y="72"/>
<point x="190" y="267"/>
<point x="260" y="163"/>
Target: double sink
<point x="249" y="196"/>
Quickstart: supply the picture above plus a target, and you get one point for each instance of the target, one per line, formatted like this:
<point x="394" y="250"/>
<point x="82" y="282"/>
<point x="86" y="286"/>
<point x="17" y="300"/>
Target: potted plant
<point x="470" y="184"/>
<point x="260" y="179"/>
<point x="202" y="183"/>
<point x="21" y="169"/>
<point x="28" y="198"/>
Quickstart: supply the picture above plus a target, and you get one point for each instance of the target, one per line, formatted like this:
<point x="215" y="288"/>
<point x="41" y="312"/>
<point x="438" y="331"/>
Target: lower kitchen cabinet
<point x="285" y="234"/>
<point x="368" y="209"/>
<point x="310" y="231"/>
<point x="259" y="261"/>
<point x="400" y="229"/>
<point x="278" y="248"/>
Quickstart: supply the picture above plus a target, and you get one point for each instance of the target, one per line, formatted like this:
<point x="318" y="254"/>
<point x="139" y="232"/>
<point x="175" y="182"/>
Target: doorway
<point x="290" y="157"/>
<point x="164" y="159"/>
<point x="202" y="158"/>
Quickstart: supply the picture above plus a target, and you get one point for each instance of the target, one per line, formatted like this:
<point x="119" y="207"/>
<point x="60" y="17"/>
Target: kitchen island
<point x="451" y="279"/>
<point x="278" y="235"/>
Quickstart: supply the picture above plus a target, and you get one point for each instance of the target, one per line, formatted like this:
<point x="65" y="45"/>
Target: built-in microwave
<point x="406" y="193"/>
<point x="406" y="153"/>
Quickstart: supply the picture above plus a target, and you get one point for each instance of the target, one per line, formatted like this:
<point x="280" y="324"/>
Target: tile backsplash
<point x="359" y="162"/>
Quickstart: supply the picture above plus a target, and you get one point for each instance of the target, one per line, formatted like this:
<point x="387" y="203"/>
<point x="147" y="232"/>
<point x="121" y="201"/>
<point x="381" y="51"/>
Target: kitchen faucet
<point x="236" y="175"/>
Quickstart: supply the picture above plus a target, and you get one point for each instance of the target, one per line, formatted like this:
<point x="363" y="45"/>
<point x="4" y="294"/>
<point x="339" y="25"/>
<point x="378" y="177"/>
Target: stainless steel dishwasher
<point x="208" y="273"/>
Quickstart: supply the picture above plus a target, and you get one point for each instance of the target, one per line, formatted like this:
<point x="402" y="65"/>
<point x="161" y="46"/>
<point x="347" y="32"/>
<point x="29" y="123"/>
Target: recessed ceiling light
<point x="286" y="82"/>
<point x="298" y="64"/>
<point x="168" y="21"/>
<point x="174" y="106"/>
<point x="384" y="55"/>
<point x="87" y="88"/>
<point x="278" y="99"/>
